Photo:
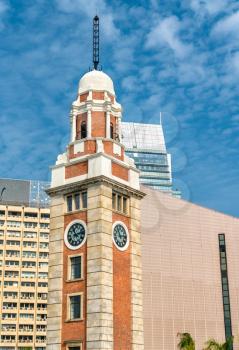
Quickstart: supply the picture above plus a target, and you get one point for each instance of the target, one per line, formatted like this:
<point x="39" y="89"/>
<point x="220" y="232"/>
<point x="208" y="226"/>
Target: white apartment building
<point x="24" y="240"/>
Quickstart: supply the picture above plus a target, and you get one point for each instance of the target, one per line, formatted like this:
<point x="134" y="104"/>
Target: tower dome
<point x="96" y="80"/>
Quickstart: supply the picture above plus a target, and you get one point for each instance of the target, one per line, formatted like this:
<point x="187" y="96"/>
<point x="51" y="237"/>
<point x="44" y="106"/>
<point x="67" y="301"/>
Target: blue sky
<point x="178" y="57"/>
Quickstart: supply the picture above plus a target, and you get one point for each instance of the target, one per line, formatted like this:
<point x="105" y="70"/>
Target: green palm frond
<point x="212" y="344"/>
<point x="186" y="341"/>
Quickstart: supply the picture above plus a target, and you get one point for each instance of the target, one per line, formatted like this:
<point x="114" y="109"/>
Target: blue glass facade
<point x="146" y="145"/>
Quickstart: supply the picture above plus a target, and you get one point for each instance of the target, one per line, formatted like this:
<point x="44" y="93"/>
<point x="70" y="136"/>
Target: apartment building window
<point x="225" y="286"/>
<point x="44" y="225"/>
<point x="45" y="216"/>
<point x="12" y="253"/>
<point x="44" y="235"/>
<point x="26" y="306"/>
<point x="1" y="242"/>
<point x="77" y="201"/>
<point x="11" y="274"/>
<point x="29" y="264"/>
<point x="31" y="215"/>
<point x="29" y="234"/>
<point x="9" y="263"/>
<point x="27" y="274"/>
<point x="28" y="284"/>
<point x="27" y="295"/>
<point x="75" y="306"/>
<point x="8" y="338"/>
<point x="10" y="295"/>
<point x="1" y="232"/>
<point x="25" y="338"/>
<point x="75" y="270"/>
<point x="43" y="284"/>
<point x="41" y="317"/>
<point x="42" y="265"/>
<point x="30" y="316"/>
<point x="120" y="203"/>
<point x="42" y="275"/>
<point x="17" y="214"/>
<point x="13" y="233"/>
<point x="7" y="306"/>
<point x="30" y="224"/>
<point x="26" y="328"/>
<point x="41" y="307"/>
<point x="42" y="296"/>
<point x="14" y="223"/>
<point x="28" y="254"/>
<point x="43" y="255"/>
<point x="2" y="212"/>
<point x="29" y="244"/>
<point x="9" y="327"/>
<point x="44" y="245"/>
<point x="10" y="284"/>
<point x="13" y="243"/>
<point x="2" y="222"/>
<point x="9" y="316"/>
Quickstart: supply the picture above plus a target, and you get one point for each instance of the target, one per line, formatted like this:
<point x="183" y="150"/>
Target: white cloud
<point x="90" y="9"/>
<point x="210" y="6"/>
<point x="4" y="7"/>
<point x="227" y="26"/>
<point x="167" y="31"/>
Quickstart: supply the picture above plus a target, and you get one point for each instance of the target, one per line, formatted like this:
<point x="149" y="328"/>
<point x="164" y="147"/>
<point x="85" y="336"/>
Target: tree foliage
<point x="186" y="341"/>
<point x="212" y="344"/>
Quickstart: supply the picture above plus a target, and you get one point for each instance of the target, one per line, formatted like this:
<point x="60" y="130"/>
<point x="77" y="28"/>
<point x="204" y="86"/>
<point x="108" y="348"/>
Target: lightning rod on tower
<point x="96" y="42"/>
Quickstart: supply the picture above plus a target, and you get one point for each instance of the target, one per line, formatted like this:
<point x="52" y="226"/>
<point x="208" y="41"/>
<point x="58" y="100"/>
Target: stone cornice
<point x="81" y="185"/>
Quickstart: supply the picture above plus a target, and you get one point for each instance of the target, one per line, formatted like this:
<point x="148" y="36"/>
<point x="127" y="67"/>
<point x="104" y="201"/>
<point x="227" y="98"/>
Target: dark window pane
<point x="76" y="267"/>
<point x="69" y="203"/>
<point x="84" y="199"/>
<point x="114" y="201"/>
<point x="125" y="205"/>
<point x="75" y="307"/>
<point x="77" y="201"/>
<point x="111" y="130"/>
<point x="83" y="130"/>
<point x="119" y="203"/>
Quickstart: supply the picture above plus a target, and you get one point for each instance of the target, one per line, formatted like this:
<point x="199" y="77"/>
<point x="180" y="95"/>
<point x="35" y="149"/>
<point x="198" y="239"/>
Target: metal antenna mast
<point x="96" y="42"/>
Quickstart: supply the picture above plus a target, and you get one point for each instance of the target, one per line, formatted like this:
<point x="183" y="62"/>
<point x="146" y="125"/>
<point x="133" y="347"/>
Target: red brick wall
<point x="108" y="148"/>
<point x="122" y="293"/>
<point x="79" y="119"/>
<point x="89" y="148"/>
<point x="98" y="124"/>
<point x="120" y="171"/>
<point x="83" y="97"/>
<point x="98" y="95"/>
<point x="74" y="330"/>
<point x="76" y="170"/>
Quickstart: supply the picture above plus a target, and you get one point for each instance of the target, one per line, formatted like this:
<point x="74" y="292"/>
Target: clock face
<point x="120" y="236"/>
<point x="75" y="234"/>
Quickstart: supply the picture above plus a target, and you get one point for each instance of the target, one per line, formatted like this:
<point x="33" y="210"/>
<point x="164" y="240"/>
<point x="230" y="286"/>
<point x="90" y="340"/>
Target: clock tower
<point x="95" y="278"/>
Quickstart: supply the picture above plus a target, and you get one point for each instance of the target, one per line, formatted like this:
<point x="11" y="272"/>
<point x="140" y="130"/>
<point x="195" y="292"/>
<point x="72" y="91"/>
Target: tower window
<point x="75" y="307"/>
<point x="69" y="203"/>
<point x="111" y="130"/>
<point x="83" y="130"/>
<point x="76" y="201"/>
<point x="75" y="267"/>
<point x="120" y="203"/>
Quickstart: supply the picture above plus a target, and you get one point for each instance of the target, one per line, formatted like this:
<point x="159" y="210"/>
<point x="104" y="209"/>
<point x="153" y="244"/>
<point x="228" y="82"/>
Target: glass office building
<point x="145" y="143"/>
<point x="27" y="192"/>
